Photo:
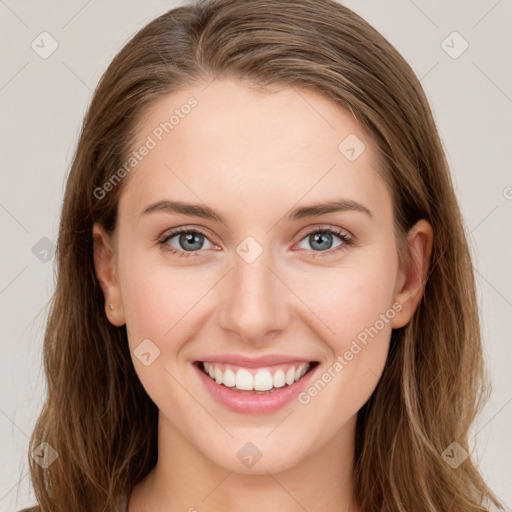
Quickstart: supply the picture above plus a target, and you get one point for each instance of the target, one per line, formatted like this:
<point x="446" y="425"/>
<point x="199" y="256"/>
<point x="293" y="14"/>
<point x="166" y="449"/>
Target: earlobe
<point x="106" y="272"/>
<point x="413" y="273"/>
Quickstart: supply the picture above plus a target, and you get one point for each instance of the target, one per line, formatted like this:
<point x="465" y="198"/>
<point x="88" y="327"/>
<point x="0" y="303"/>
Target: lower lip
<point x="246" y="403"/>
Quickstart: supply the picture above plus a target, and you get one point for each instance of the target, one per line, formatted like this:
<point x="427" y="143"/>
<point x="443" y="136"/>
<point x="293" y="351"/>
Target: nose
<point x="254" y="300"/>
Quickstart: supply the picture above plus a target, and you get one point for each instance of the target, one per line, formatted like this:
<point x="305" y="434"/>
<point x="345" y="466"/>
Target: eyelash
<point x="346" y="239"/>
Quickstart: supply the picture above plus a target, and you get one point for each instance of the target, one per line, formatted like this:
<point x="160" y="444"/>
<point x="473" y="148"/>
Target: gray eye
<point x="189" y="241"/>
<point x="321" y="240"/>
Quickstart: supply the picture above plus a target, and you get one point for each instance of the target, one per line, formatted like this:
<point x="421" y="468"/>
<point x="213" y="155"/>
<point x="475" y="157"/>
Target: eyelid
<point x="325" y="227"/>
<point x="170" y="233"/>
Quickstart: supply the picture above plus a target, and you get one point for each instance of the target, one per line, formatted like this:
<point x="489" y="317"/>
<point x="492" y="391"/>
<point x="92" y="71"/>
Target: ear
<point x="412" y="274"/>
<point x="106" y="272"/>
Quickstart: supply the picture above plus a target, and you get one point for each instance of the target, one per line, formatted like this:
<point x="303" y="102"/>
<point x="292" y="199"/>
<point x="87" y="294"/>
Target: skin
<point x="251" y="157"/>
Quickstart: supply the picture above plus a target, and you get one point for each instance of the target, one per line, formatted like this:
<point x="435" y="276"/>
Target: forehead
<point x="227" y="141"/>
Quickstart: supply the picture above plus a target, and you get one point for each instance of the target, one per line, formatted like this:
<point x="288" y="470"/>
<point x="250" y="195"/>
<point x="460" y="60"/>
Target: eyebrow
<point x="205" y="212"/>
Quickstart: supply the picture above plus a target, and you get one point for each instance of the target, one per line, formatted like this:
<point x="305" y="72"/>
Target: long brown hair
<point x="97" y="416"/>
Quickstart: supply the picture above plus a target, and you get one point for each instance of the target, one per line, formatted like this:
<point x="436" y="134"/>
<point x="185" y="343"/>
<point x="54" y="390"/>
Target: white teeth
<point x="278" y="379"/>
<point x="263" y="380"/>
<point x="300" y="371"/>
<point x="229" y="378"/>
<point x="244" y="380"/>
<point x="290" y="376"/>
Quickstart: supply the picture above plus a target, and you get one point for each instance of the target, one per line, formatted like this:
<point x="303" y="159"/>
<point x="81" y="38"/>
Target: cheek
<point x="353" y="309"/>
<point x="348" y="299"/>
<point x="155" y="296"/>
<point x="159" y="303"/>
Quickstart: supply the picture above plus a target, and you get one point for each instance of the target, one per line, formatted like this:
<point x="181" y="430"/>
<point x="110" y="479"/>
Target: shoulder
<point x="32" y="509"/>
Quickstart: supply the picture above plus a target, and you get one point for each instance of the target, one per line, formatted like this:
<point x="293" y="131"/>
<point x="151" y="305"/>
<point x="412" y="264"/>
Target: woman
<point x="317" y="346"/>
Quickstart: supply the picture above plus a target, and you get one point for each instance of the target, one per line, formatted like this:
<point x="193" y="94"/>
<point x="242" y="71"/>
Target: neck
<point x="185" y="479"/>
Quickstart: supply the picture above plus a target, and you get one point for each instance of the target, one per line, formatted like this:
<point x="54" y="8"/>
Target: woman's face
<point x="257" y="272"/>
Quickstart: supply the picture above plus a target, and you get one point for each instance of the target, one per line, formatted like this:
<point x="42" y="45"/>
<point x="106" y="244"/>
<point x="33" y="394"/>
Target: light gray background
<point x="42" y="105"/>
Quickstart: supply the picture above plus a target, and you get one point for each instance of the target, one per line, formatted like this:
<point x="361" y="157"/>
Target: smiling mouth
<point x="256" y="381"/>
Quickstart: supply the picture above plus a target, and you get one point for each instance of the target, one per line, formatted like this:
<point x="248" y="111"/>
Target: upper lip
<point x="255" y="362"/>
